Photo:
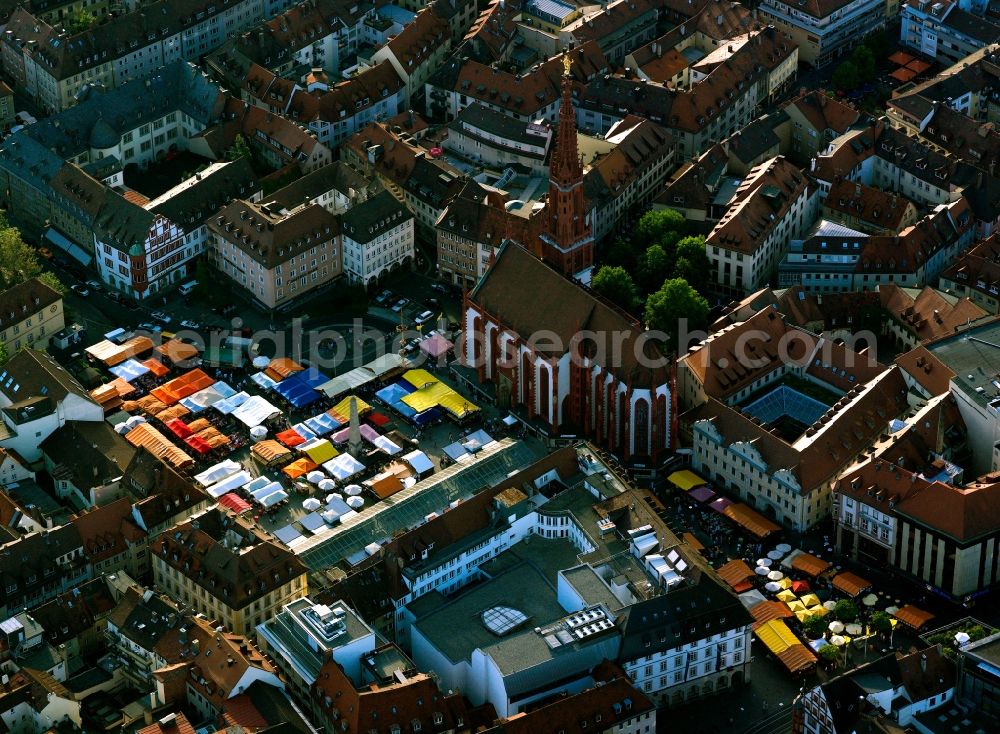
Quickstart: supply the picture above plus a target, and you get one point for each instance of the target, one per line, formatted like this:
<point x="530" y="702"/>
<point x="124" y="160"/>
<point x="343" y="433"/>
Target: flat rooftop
<point x="974" y="357"/>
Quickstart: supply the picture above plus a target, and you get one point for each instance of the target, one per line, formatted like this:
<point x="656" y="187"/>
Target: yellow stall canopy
<point x="776" y="636"/>
<point x="319" y="451"/>
<point x="686" y="480"/>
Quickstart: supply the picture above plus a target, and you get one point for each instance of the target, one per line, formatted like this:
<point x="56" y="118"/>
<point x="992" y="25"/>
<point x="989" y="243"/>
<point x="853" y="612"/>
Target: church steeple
<point x="567" y="238"/>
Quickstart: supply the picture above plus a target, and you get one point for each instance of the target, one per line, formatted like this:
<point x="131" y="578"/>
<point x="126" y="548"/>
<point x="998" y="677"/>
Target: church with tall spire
<point x="566" y="240"/>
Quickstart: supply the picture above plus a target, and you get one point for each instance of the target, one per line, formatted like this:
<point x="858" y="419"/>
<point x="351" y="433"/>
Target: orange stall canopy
<point x="181" y="387"/>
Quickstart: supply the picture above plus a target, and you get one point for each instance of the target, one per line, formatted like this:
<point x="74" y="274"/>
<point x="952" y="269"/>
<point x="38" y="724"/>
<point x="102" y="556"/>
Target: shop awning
<point x="181" y="387"/>
<point x="177" y="351"/>
<point x="750" y="520"/>
<point x="299" y="467"/>
<point x="767" y="611"/>
<point x="255" y="411"/>
<point x="318" y="450"/>
<point x="735" y="572"/>
<point x="281" y="368"/>
<point x="776" y="636"/>
<point x="913" y="616"/>
<point x="159" y="445"/>
<point x="342" y="410"/>
<point x="234" y="502"/>
<point x="269" y="451"/>
<point x="686" y="480"/>
<point x="850" y="583"/>
<point x="156" y="367"/>
<point x="69" y="247"/>
<point x="692" y="541"/>
<point x="809" y="564"/>
<point x="797" y="658"/>
<point x="290" y="438"/>
<point x="702" y="494"/>
<point x="112" y="354"/>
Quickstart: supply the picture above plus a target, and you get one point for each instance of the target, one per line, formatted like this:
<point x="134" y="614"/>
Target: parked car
<point x="398" y="306"/>
<point x="96" y="285"/>
<point x="146" y="326"/>
<point x="161" y="317"/>
<point x="45" y="252"/>
<point x="424" y="317"/>
<point x="382" y="298"/>
<point x="80" y="290"/>
<point x="188" y="324"/>
<point x="439" y="288"/>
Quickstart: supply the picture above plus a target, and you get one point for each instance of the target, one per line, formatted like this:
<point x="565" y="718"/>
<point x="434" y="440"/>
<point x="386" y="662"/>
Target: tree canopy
<point x="674" y="301"/>
<point x="614" y="283"/>
<point x="19" y="261"/>
<point x="846" y="611"/>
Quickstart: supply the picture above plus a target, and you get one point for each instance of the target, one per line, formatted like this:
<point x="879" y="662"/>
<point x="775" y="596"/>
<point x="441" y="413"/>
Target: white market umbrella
<point x="326" y="484"/>
<point x="776" y="555"/>
<point x="762" y="571"/>
<point x="333" y="496"/>
<point x="258" y="432"/>
<point x="312" y="504"/>
<point x="962" y="637"/>
<point x="315" y="477"/>
<point x="870" y="600"/>
<point x="853" y="629"/>
<point x="773" y="586"/>
<point x="764" y="562"/>
<point x="352" y="490"/>
<point x="355" y="503"/>
<point x="837" y="641"/>
<point x="836" y="627"/>
<point x="891" y="610"/>
<point x="783" y="548"/>
<point x="775" y="576"/>
<point x="830" y="605"/>
<point x="261" y="362"/>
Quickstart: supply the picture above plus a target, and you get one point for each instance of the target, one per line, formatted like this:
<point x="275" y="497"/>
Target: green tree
<point x="692" y="262"/>
<point x="615" y="284"/>
<point x="845" y="76"/>
<point x="654" y="267"/>
<point x="814" y="626"/>
<point x="878" y="42"/>
<point x="238" y="149"/>
<point x="676" y="300"/>
<point x="660" y="226"/>
<point x="18" y="261"/>
<point x="829" y="654"/>
<point x="620" y="253"/>
<point x="53" y="282"/>
<point x="846" y="611"/>
<point x="864" y="62"/>
<point x="79" y="21"/>
<point x="881" y="622"/>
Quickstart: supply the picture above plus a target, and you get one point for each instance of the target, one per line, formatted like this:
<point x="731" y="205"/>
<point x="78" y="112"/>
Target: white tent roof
<point x="274" y="498"/>
<point x="343" y="466"/>
<point x="255" y="411"/>
<point x="229" y="483"/>
<point x="218" y="472"/>
<point x="348" y="381"/>
<point x="418" y="460"/>
<point x="386" y="445"/>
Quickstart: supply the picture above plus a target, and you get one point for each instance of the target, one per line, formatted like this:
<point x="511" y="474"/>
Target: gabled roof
<point x="235" y="575"/>
<point x="25" y="300"/>
<point x="761" y="203"/>
<point x="87" y="453"/>
<point x="558" y="305"/>
<point x="31" y="373"/>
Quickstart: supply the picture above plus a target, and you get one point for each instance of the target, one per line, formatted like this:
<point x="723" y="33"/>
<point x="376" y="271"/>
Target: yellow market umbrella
<point x="819" y="610"/>
<point x="787" y="596"/>
<point x="796" y="606"/>
<point x="811" y="600"/>
<point x="802" y="615"/>
<point x="785" y="583"/>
